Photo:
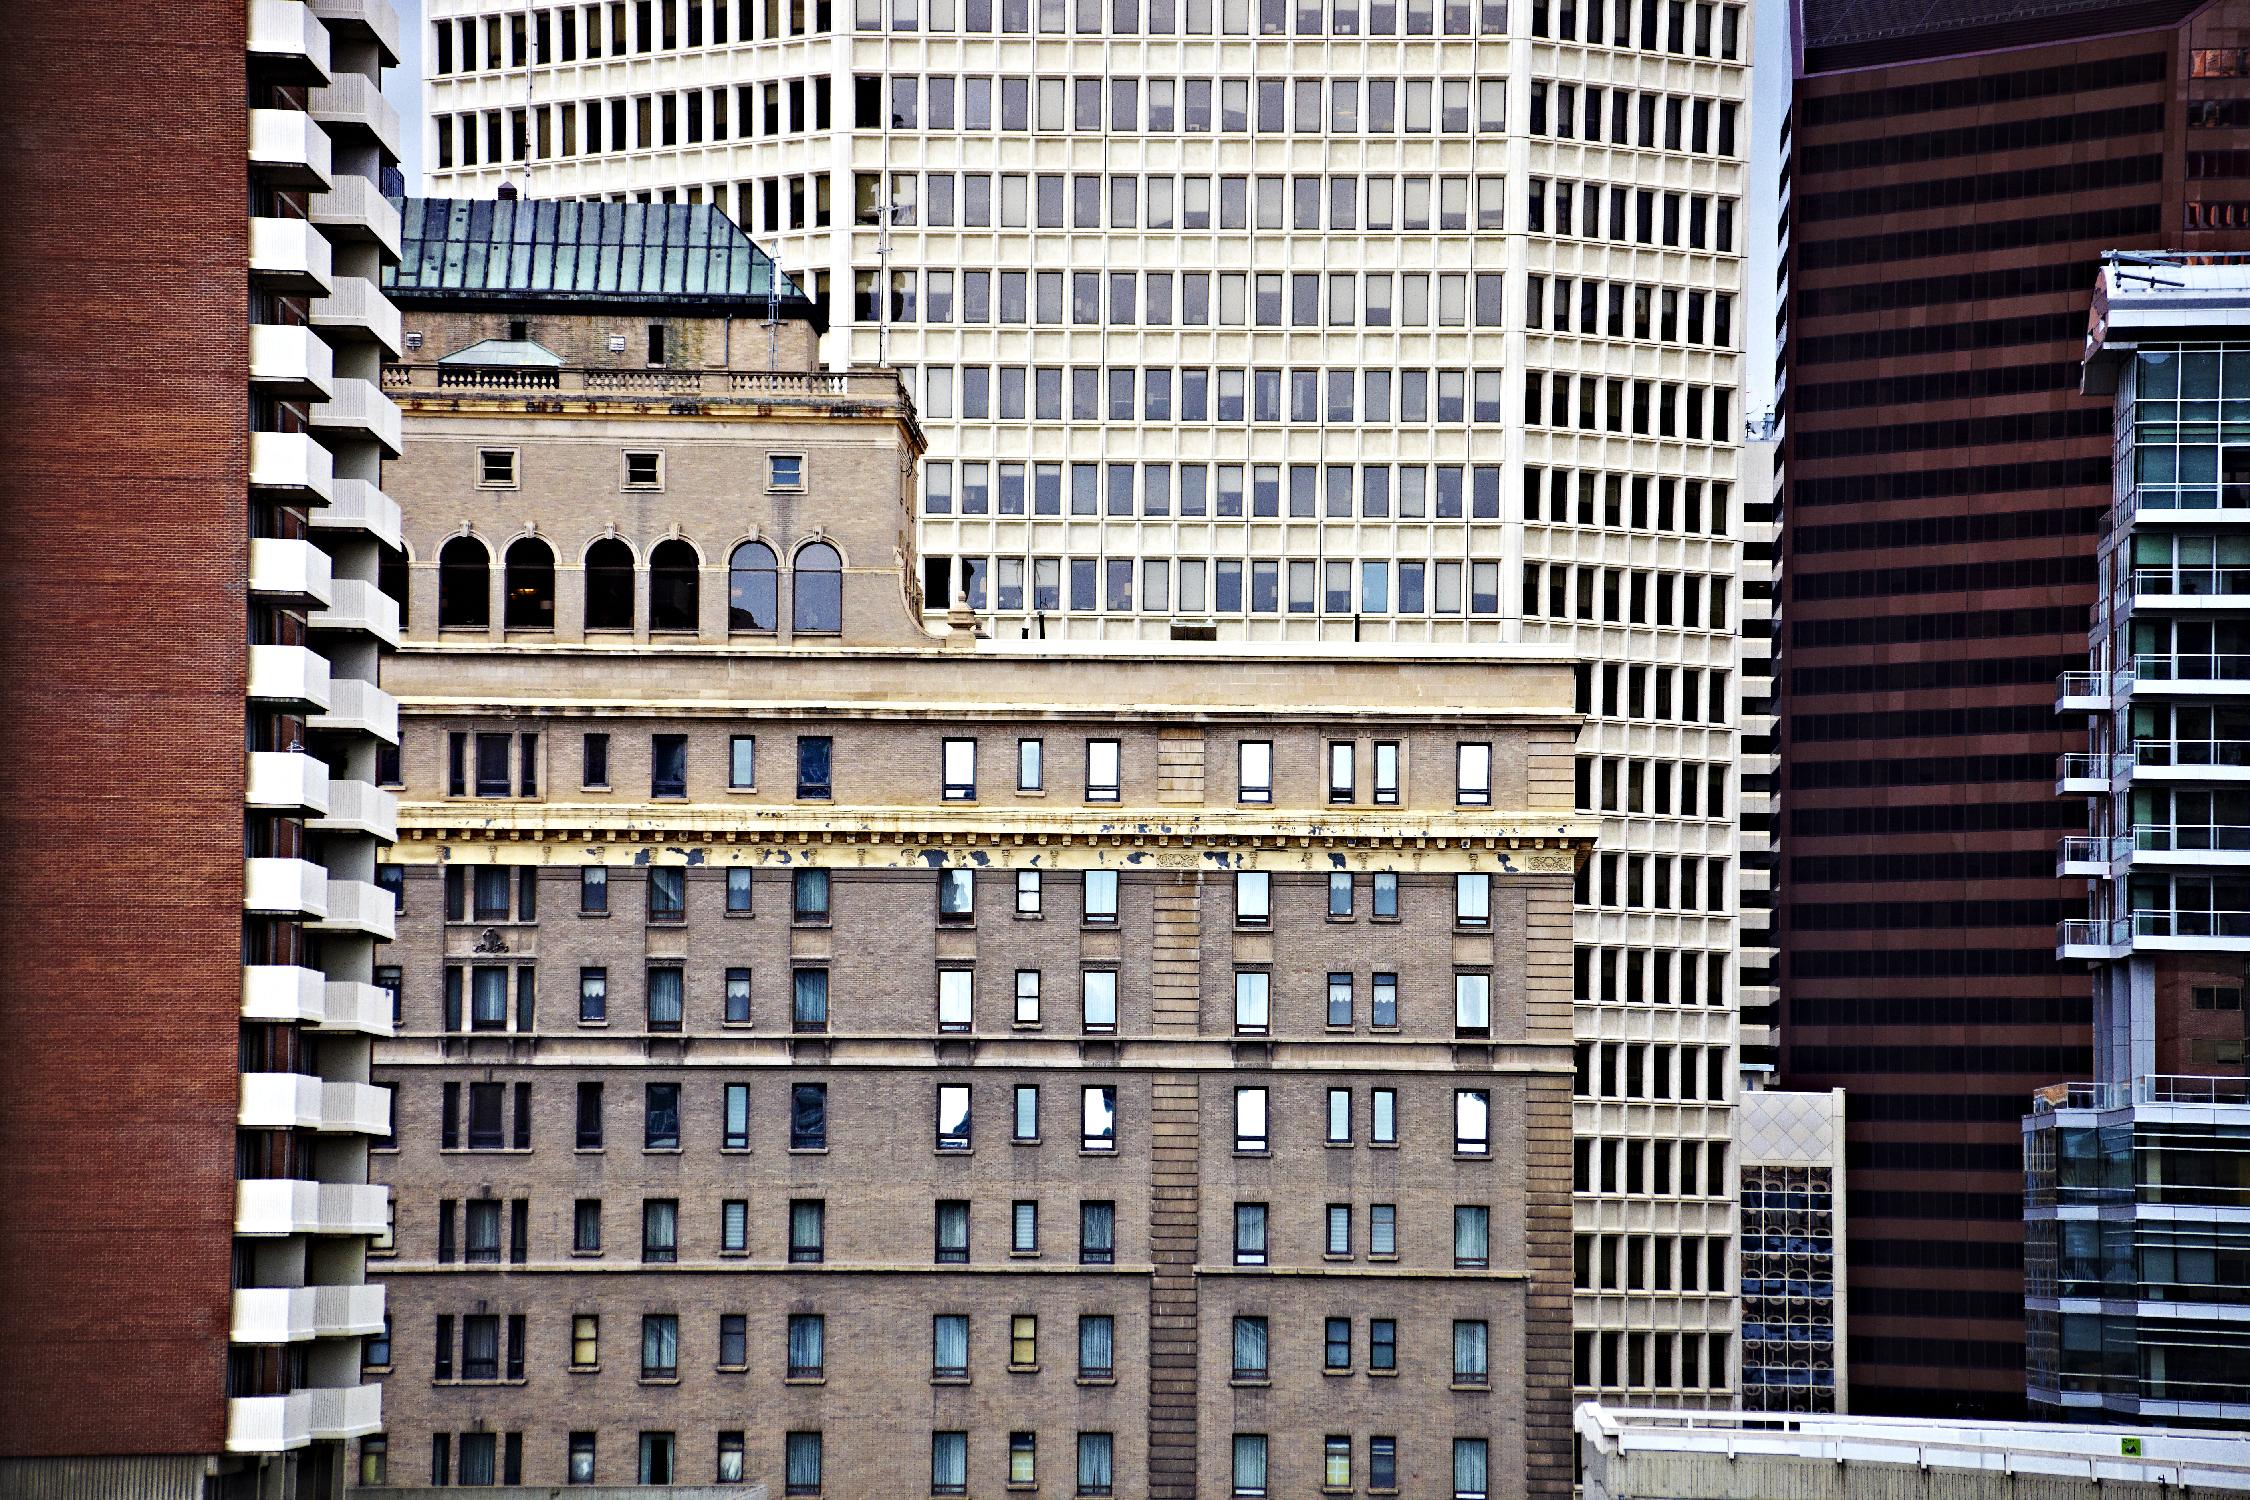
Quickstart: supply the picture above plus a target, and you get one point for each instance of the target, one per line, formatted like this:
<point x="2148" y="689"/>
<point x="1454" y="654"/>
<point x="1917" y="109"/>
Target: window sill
<point x="1339" y="1145"/>
<point x="1390" y="921"/>
<point x="585" y="1369"/>
<point x="732" y="1369"/>
<point x="1257" y="1151"/>
<point x="585" y="1255"/>
<point x="1472" y="1156"/>
<point x="1097" y="1380"/>
<point x="953" y="1151"/>
<point x="1106" y="1151"/>
<point x="1025" y="1140"/>
<point x="1031" y="916"/>
<point x="484" y="1150"/>
<point x="662" y="1151"/>
<point x="949" y="1380"/>
<point x="1023" y="1369"/>
<point x="810" y="922"/>
<point x="660" y="1380"/>
<point x="1481" y="1388"/>
<point x="805" y="1380"/>
<point x="589" y="1150"/>
<point x="1341" y="919"/>
<point x="808" y="1150"/>
<point x="1023" y="1255"/>
<point x="745" y="791"/>
<point x="1382" y="1145"/>
<point x="376" y="1369"/>
<point x="1251" y="1382"/>
<point x="1383" y="1375"/>
<point x="1336" y="1370"/>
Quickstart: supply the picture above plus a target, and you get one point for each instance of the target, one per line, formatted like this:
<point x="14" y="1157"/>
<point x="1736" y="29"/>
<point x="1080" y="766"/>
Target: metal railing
<point x="2183" y="753"/>
<point x="2192" y="666"/>
<point x="2188" y="497"/>
<point x="2194" y="582"/>
<point x="2190" y="838"/>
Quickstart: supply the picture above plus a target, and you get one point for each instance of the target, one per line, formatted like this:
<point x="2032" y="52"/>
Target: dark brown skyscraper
<point x="190" y="538"/>
<point x="1951" y="175"/>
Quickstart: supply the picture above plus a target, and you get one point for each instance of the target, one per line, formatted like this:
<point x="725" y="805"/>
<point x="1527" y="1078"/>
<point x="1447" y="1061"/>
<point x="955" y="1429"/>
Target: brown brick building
<point x="193" y="335"/>
<point x="856" y="1061"/>
<point x="1951" y="177"/>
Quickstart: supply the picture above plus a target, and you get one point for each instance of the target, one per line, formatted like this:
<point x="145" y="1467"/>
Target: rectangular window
<point x="801" y="1463"/>
<point x="1101" y="897"/>
<point x="1027" y="997"/>
<point x="1472" y="1005"/>
<point x="660" y="1117"/>
<point x="736" y="1101"/>
<point x="667" y="765"/>
<point x="952" y="1232"/>
<point x="1336" y="1344"/>
<point x="585" y="1341"/>
<point x="660" y="1231"/>
<point x="738" y="891"/>
<point x="949" y="1347"/>
<point x="1023" y="1228"/>
<point x="1023" y="1460"/>
<point x="1384" y="903"/>
<point x="742" y="762"/>
<point x="1031" y="770"/>
<point x="1382" y="1230"/>
<point x="1097" y="1233"/>
<point x="1252" y="1002"/>
<point x="1098" y="1118"/>
<point x="1471" y="1352"/>
<point x="1249" y="1234"/>
<point x="1386" y="773"/>
<point x="1027" y="1112"/>
<point x="959" y="770"/>
<point x="808" y="1000"/>
<point x="956" y="896"/>
<point x="1097" y="1347"/>
<point x="1255" y="776"/>
<point x="956" y="998"/>
<point x="953" y="1122"/>
<point x="1249" y="1466"/>
<point x="1253" y="898"/>
<point x="808" y="1231"/>
<point x="1340" y="999"/>
<point x="665" y="989"/>
<point x="1342" y="764"/>
<point x="809" y="896"/>
<point x="1027" y="893"/>
<point x="1339" y="1117"/>
<point x="667" y="893"/>
<point x="593" y="890"/>
<point x="1252" y="1356"/>
<point x="1250" y="1119"/>
<point x="815" y="755"/>
<point x="1102" y="771"/>
<point x="734" y="1226"/>
<point x="1469" y="1469"/>
<point x="1472" y="779"/>
<point x="1472" y="900"/>
<point x="594" y="768"/>
<point x="1472" y="1122"/>
<point x="1383" y="1117"/>
<point x="738" y="997"/>
<point x="808" y="1117"/>
<point x="1098" y="995"/>
<point x="808" y="1346"/>
<point x="1382" y="1343"/>
<point x="1339" y="1240"/>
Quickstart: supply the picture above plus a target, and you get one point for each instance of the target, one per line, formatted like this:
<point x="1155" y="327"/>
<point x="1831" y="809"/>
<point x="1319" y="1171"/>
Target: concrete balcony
<point x="276" y="1424"/>
<point x="288" y="40"/>
<point x="288" y="674"/>
<point x="283" y="992"/>
<point x="353" y="208"/>
<point x="363" y="20"/>
<point x="355" y="604"/>
<point x="358" y="412"/>
<point x="297" y="1101"/>
<point x="292" y="462"/>
<point x="359" y="807"/>
<point x="359" y="505"/>
<point x="290" y="362"/>
<point x="355" y="311"/>
<point x="273" y="1207"/>
<point x="291" y="570"/>
<point x="352" y="103"/>
<point x="358" y="706"/>
<point x="351" y="1006"/>
<point x="293" y="1314"/>
<point x="286" y="781"/>
<point x="285" y="887"/>
<point x="358" y="906"/>
<point x="289" y="255"/>
<point x="288" y="148"/>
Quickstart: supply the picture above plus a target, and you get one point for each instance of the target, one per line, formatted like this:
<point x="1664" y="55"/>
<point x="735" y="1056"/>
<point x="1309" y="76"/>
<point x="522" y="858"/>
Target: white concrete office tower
<point x="2137" y="1181"/>
<point x="1320" y="321"/>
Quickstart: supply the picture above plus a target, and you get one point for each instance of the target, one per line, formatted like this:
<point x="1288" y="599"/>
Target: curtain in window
<point x="949" y="1462"/>
<point x="1250" y="1346"/>
<point x="476" y="1457"/>
<point x="810" y="1005"/>
<point x="808" y="1116"/>
<point x="807" y="1345"/>
<point x="1094" y="1475"/>
<point x="660" y="1343"/>
<point x="1096" y="1344"/>
<point x="1471" y="1234"/>
<point x="1468" y="1469"/>
<point x="805" y="1228"/>
<point x="1469" y="1351"/>
<point x="488" y="999"/>
<point x="664" y="988"/>
<point x="1249" y="1463"/>
<point x="803" y="1462"/>
<point x="949" y="1343"/>
<point x="1097" y="1231"/>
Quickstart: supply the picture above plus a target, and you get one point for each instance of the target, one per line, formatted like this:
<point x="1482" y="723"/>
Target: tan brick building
<point x="860" y="1062"/>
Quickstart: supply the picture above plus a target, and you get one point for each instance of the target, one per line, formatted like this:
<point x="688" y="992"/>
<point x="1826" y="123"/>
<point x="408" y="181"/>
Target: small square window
<point x="644" y="470"/>
<point x="496" y="468"/>
<point x="785" y="471"/>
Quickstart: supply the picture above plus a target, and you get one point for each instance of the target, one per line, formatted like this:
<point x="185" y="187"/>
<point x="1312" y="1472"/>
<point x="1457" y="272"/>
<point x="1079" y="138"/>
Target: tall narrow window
<point x="1472" y="780"/>
<point x="1342" y="765"/>
<point x="1252" y="1002"/>
<point x="1250" y="1119"/>
<point x="464" y="584"/>
<point x="1103" y="771"/>
<point x="1255" y="772"/>
<point x="817" y="590"/>
<point x="959" y="770"/>
<point x="753" y="590"/>
<point x="672" y="572"/>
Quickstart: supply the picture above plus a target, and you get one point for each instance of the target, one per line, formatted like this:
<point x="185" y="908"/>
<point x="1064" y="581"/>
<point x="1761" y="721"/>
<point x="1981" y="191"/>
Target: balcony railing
<point x="2232" y="498"/>
<point x="2191" y="838"/>
<point x="2192" y="666"/>
<point x="2187" y="754"/>
<point x="2193" y="582"/>
<point x="781" y="387"/>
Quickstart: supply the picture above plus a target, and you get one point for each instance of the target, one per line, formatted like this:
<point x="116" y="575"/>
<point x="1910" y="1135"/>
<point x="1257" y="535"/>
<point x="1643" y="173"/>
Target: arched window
<point x="609" y="585"/>
<point x="817" y="592"/>
<point x="528" y="585"/>
<point x="671" y="586"/>
<point x="753" y="588"/>
<point x="464" y="584"/>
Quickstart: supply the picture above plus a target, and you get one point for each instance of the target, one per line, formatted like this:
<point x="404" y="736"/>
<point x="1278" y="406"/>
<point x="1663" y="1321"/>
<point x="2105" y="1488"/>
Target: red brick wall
<point x="123" y="461"/>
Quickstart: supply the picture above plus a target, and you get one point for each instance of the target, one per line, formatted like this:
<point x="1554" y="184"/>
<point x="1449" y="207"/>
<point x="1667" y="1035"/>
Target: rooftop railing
<point x="821" y="387"/>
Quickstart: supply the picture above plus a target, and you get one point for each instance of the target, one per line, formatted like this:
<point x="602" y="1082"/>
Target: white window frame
<point x="775" y="483"/>
<point x="1251" y="1120"/>
<point x="1027" y="1014"/>
<point x="1101" y="898"/>
<point x="1472" y="1004"/>
<point x="1253" y="1002"/>
<point x="1253" y="898"/>
<point x="1027" y="893"/>
<point x="1094" y="1101"/>
<point x="1339" y="1117"/>
<point x="625" y="479"/>
<point x="1097" y="993"/>
<point x="485" y="458"/>
<point x="1472" y="899"/>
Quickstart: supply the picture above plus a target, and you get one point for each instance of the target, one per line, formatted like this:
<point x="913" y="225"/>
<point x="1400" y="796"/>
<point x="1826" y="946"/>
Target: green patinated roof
<point x="545" y="251"/>
<point x="513" y="353"/>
